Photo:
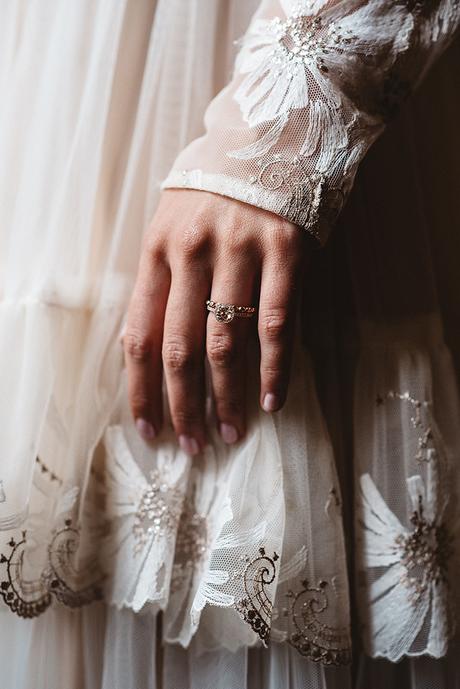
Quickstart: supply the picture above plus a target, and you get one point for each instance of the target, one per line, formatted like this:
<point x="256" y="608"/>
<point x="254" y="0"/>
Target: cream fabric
<point x="98" y="98"/>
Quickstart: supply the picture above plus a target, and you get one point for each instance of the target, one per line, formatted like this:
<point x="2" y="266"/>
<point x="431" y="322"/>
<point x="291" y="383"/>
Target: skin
<point x="203" y="246"/>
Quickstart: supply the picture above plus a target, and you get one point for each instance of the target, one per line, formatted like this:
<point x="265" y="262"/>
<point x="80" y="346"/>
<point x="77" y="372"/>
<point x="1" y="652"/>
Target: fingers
<point x="226" y="345"/>
<point x="142" y="343"/>
<point x="277" y="311"/>
<point x="184" y="351"/>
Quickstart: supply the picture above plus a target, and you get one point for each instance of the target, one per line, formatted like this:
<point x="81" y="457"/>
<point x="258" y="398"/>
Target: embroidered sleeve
<point x="314" y="83"/>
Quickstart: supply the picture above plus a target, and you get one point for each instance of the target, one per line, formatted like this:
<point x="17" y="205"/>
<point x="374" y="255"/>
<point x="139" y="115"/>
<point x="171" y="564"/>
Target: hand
<point x="201" y="246"/>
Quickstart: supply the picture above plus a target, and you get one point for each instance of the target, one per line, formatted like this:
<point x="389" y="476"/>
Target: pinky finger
<point x="277" y="311"/>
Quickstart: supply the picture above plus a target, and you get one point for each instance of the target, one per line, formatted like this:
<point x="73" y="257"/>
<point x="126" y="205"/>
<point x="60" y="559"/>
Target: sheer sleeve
<point x="313" y="86"/>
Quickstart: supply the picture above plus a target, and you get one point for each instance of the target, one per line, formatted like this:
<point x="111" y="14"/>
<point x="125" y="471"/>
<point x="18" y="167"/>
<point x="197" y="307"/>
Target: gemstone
<point x="224" y="313"/>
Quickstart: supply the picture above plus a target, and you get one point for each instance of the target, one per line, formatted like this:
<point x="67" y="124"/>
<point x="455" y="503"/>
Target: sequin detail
<point x="191" y="544"/>
<point x="158" y="512"/>
<point x="306" y="40"/>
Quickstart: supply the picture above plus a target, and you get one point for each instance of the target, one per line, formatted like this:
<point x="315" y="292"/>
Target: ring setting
<point x="225" y="313"/>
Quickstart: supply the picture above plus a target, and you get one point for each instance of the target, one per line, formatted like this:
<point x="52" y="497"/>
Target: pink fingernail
<point x="189" y="444"/>
<point x="145" y="429"/>
<point x="229" y="433"/>
<point x="270" y="402"/>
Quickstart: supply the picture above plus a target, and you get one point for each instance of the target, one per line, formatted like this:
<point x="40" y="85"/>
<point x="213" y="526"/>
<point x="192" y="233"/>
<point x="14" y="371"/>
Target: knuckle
<point x="221" y="351"/>
<point x="185" y="418"/>
<point x="137" y="346"/>
<point x="154" y="247"/>
<point x="195" y="242"/>
<point x="178" y="356"/>
<point x="272" y="371"/>
<point x="238" y="245"/>
<point x="284" y="242"/>
<point x="274" y="324"/>
<point x="140" y="403"/>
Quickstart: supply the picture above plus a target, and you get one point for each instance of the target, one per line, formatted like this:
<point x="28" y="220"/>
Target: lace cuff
<point x="313" y="86"/>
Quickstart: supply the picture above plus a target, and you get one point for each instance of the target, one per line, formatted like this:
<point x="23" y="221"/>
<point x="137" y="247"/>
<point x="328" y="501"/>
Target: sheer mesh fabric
<point x="380" y="304"/>
<point x="314" y="84"/>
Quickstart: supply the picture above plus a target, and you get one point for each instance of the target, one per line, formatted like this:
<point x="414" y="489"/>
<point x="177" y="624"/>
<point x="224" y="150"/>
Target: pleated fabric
<point x="97" y="99"/>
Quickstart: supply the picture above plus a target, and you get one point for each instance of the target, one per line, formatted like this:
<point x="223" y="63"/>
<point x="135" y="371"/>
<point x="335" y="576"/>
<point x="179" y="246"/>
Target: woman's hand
<point x="203" y="246"/>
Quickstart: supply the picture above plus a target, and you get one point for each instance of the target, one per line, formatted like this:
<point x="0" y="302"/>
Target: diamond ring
<point x="225" y="313"/>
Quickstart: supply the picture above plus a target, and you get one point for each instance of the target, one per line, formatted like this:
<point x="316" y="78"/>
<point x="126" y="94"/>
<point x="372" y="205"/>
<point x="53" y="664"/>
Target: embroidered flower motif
<point x="308" y="65"/>
<point x="286" y="63"/>
<point x="412" y="593"/>
<point x="55" y="559"/>
<point x="191" y="545"/>
<point x="145" y="513"/>
<point x="256" y="606"/>
<point x="421" y="421"/>
<point x="158" y="511"/>
<point x="212" y="588"/>
<point x="313" y="636"/>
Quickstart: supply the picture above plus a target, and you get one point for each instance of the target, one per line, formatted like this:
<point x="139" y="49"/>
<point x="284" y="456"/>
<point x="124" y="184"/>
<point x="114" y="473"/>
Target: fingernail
<point x="189" y="444"/>
<point x="270" y="402"/>
<point x="145" y="429"/>
<point x="229" y="433"/>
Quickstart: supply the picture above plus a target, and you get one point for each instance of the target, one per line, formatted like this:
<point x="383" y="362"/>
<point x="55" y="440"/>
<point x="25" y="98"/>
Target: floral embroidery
<point x="218" y="586"/>
<point x="286" y="63"/>
<point x="312" y="636"/>
<point x="424" y="553"/>
<point x="25" y="597"/>
<point x="158" y="512"/>
<point x="70" y="585"/>
<point x="309" y="200"/>
<point x="48" y="472"/>
<point x="256" y="607"/>
<point x="59" y="579"/>
<point x="415" y="559"/>
<point x="144" y="514"/>
<point x="191" y="544"/>
<point x="426" y="451"/>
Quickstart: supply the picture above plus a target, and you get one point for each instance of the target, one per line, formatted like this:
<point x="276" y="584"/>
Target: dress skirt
<point x="323" y="550"/>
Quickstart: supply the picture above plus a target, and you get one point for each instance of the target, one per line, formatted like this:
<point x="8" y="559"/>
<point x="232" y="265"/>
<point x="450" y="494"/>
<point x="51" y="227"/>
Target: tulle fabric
<point x="379" y="307"/>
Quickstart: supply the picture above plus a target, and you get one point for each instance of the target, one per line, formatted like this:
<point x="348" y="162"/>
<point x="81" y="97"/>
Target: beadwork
<point x="312" y="636"/>
<point x="256" y="607"/>
<point x="302" y="40"/>
<point x="158" y="512"/>
<point x="425" y="553"/>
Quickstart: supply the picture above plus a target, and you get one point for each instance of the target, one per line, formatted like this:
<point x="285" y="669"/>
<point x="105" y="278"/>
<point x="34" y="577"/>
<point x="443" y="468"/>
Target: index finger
<point x="142" y="342"/>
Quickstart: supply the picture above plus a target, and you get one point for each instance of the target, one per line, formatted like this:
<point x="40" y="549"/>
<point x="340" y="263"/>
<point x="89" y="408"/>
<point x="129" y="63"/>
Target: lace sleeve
<point x="314" y="84"/>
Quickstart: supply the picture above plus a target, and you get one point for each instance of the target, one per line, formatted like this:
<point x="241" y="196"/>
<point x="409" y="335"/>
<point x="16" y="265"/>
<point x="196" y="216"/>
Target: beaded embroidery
<point x="59" y="579"/>
<point x="426" y="451"/>
<point x="415" y="557"/>
<point x="158" y="512"/>
<point x="425" y="553"/>
<point x="256" y="607"/>
<point x="312" y="637"/>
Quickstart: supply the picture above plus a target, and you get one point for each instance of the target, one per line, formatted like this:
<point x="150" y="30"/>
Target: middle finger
<point x="183" y="354"/>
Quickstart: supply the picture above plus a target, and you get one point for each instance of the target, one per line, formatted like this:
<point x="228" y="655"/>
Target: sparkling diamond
<point x="224" y="313"/>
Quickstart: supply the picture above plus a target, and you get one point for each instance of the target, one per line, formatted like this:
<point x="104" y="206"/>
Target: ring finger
<point x="226" y="345"/>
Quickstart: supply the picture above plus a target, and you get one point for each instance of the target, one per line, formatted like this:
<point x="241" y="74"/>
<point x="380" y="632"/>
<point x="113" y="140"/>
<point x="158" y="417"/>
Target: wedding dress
<point x="328" y="538"/>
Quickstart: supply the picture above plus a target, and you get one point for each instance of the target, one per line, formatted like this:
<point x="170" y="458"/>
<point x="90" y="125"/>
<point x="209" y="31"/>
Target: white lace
<point x="314" y="84"/>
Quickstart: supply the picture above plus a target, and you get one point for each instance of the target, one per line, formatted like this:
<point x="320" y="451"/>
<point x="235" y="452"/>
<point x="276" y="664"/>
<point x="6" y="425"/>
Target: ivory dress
<point x="329" y="537"/>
